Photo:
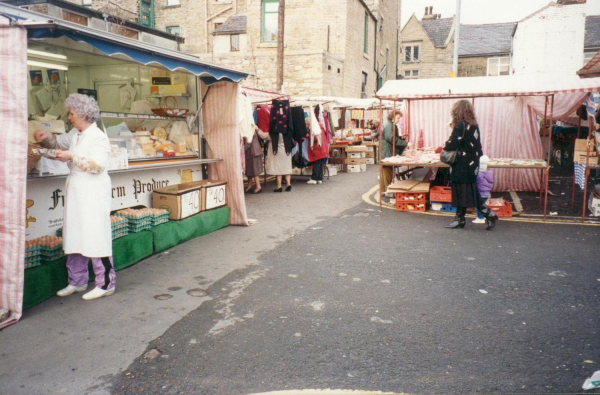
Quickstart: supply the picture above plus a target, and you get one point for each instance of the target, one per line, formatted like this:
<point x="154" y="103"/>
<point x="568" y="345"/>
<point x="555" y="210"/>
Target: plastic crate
<point x="411" y="197"/>
<point x="120" y="233"/>
<point x="140" y="227"/>
<point x="410" y="206"/>
<point x="440" y="194"/>
<point x="33" y="262"/>
<point x="443" y="207"/>
<point x="502" y="211"/>
<point x="52" y="255"/>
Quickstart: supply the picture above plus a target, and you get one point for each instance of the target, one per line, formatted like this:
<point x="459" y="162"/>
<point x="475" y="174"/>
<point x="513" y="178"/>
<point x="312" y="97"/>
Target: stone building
<point x="551" y="40"/>
<point x="427" y="46"/>
<point x="334" y="47"/>
<point x="485" y="50"/>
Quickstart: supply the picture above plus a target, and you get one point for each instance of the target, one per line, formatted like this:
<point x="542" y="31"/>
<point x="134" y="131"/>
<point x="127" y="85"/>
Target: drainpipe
<point x="397" y="42"/>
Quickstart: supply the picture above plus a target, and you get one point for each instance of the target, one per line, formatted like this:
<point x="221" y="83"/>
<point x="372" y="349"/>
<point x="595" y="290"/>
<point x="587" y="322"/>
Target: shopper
<point x="86" y="223"/>
<point x="254" y="162"/>
<point x="278" y="164"/>
<point x="465" y="139"/>
<point x="387" y="175"/>
<point x="485" y="182"/>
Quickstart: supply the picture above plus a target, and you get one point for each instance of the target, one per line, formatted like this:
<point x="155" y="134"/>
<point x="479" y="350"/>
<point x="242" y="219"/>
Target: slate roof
<point x="235" y="24"/>
<point x="592" y="31"/>
<point x="485" y="39"/>
<point x="438" y="29"/>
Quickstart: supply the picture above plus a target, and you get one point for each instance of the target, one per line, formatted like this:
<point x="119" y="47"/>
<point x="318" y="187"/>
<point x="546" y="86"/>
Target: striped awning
<point x="467" y="87"/>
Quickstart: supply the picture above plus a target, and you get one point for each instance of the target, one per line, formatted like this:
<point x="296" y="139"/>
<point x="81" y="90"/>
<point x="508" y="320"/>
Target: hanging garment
<point x="357" y="114"/>
<point x="262" y="117"/>
<point x="321" y="149"/>
<point x="315" y="128"/>
<point x="281" y="124"/>
<point x="580" y="175"/>
<point x="246" y="117"/>
<point x="299" y="123"/>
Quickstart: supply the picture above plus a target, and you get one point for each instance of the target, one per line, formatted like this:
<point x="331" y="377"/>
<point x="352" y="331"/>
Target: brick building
<point x="485" y="49"/>
<point x="427" y="46"/>
<point x="335" y="47"/>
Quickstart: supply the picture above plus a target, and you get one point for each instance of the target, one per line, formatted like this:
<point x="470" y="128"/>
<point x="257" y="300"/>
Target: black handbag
<point x="449" y="157"/>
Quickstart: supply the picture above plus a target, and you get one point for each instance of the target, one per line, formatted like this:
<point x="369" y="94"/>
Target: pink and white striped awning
<point x="513" y="85"/>
<point x="257" y="95"/>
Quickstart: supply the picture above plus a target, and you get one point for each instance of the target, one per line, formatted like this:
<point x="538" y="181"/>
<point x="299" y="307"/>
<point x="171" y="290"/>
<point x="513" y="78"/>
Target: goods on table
<point x="45" y="248"/>
<point x="425" y="156"/>
<point x="119" y="226"/>
<point x="516" y="162"/>
<point x="138" y="220"/>
<point x="159" y="216"/>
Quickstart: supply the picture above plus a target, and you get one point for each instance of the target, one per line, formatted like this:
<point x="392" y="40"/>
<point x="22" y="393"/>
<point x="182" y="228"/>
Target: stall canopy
<point x="65" y="33"/>
<point x="592" y="68"/>
<point x="508" y="109"/>
<point x="345" y="102"/>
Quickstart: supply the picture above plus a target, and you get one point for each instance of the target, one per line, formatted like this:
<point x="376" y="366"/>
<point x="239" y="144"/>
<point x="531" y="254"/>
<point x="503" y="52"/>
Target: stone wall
<point x="550" y="41"/>
<point x="472" y="67"/>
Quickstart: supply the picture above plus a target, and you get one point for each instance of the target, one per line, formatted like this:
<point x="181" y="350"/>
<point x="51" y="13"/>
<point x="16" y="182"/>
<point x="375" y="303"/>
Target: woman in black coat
<point x="465" y="139"/>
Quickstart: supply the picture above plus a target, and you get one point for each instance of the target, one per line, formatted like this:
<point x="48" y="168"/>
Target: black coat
<point x="464" y="170"/>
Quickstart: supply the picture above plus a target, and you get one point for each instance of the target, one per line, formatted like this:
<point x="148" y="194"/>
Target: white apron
<point x="86" y="226"/>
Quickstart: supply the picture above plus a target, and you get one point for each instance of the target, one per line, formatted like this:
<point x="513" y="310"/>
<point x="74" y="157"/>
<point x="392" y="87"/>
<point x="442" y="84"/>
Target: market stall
<point x="508" y="109"/>
<point x="151" y="101"/>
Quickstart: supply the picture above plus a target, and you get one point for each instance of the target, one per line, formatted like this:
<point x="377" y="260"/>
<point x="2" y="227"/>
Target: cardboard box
<point x="370" y="161"/>
<point x="409" y="186"/>
<point x="176" y="89"/>
<point x="594" y="205"/>
<point x="580" y="157"/>
<point x="181" y="200"/>
<point x="356" y="168"/>
<point x="356" y="148"/>
<point x="370" y="148"/>
<point x="581" y="145"/>
<point x="369" y="154"/>
<point x="331" y="171"/>
<point x="361" y="161"/>
<point x="214" y="194"/>
<point x="356" y="155"/>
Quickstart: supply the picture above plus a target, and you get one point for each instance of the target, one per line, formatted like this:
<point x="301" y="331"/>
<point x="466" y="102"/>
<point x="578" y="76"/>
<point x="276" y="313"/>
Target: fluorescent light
<point x="46" y="54"/>
<point x="47" y="65"/>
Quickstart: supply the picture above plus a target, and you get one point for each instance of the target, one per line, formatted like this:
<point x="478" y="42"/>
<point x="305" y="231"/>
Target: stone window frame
<point x="172" y="3"/>
<point x="366" y="33"/>
<point x="497" y="60"/>
<point x="169" y="29"/>
<point x="411" y="49"/>
<point x="263" y="19"/>
<point x="86" y="2"/>
<point x="363" y="83"/>
<point x="231" y="43"/>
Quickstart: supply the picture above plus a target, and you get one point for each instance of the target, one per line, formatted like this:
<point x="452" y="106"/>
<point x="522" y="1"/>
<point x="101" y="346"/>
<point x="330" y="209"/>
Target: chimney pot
<point x="430" y="10"/>
<point x="426" y="10"/>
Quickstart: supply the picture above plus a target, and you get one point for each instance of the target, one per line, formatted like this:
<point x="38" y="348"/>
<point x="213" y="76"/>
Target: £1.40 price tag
<point x="190" y="203"/>
<point x="215" y="196"/>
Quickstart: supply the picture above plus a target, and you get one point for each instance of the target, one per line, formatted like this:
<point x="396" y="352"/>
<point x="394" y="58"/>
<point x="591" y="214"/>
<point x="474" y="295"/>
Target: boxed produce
<point x="181" y="200"/>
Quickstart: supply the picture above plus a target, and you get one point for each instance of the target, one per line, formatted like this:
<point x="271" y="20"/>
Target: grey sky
<point x="483" y="11"/>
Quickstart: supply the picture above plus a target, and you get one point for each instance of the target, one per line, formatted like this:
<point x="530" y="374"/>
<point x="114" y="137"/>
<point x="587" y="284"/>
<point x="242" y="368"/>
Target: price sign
<point x="215" y="196"/>
<point x="190" y="203"/>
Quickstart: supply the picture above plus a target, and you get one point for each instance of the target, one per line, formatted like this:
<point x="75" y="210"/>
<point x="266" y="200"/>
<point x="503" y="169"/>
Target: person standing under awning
<point x="86" y="225"/>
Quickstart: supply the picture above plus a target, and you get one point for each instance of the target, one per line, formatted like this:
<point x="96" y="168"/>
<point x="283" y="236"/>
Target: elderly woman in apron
<point x="86" y="225"/>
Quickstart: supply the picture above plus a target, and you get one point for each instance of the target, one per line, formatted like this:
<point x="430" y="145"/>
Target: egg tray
<point x="50" y="250"/>
<point x="33" y="263"/>
<point x="53" y="257"/>
<point x="120" y="234"/>
<point x="115" y="228"/>
<point x="131" y="220"/>
<point x="140" y="228"/>
<point x="160" y="219"/>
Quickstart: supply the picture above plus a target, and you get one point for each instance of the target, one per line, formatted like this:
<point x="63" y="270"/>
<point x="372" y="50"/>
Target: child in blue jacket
<point x="485" y="182"/>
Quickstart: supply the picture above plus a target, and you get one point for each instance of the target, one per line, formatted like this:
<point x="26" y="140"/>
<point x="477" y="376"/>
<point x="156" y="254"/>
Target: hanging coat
<point x="86" y="223"/>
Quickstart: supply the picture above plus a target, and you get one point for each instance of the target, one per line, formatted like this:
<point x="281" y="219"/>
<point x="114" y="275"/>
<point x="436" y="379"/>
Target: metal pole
<point x="549" y="154"/>
<point x="587" y="165"/>
<point x="280" y="35"/>
<point x="379" y="153"/>
<point x="456" y="39"/>
<point x="544" y="127"/>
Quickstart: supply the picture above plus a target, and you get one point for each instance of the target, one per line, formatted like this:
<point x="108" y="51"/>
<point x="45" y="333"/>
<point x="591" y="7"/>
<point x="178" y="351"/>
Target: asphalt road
<point x="392" y="302"/>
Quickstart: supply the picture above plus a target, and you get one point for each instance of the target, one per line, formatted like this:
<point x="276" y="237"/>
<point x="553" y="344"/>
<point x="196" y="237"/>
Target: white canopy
<point x="513" y="85"/>
<point x="345" y="102"/>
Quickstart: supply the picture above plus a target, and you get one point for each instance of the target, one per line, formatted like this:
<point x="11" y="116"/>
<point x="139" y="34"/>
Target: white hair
<point x="84" y="106"/>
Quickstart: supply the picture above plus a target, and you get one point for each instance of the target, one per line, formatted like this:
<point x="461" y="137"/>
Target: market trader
<point x="387" y="175"/>
<point x="86" y="224"/>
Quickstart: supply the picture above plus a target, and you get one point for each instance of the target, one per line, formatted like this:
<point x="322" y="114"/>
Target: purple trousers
<point x="77" y="266"/>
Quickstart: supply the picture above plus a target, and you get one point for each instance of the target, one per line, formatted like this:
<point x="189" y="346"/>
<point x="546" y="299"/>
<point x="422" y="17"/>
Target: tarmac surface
<point x="328" y="292"/>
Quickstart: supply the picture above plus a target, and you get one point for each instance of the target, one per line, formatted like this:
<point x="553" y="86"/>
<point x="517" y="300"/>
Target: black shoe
<point x="278" y="190"/>
<point x="288" y="188"/>
<point x="457" y="223"/>
<point x="492" y="217"/>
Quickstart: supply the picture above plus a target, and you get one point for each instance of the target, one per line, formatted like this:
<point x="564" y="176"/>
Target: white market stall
<point x="85" y="60"/>
<point x="507" y="109"/>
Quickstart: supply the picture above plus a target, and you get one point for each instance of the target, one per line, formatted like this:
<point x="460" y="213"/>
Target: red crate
<point x="410" y="206"/>
<point x="502" y="211"/>
<point x="411" y="197"/>
<point x="440" y="194"/>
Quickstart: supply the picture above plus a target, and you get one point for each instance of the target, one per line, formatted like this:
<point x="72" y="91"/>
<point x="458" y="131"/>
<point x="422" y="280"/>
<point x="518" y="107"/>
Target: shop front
<point x="151" y="101"/>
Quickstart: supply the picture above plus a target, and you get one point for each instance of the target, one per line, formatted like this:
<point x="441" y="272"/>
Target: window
<point x="147" y="13"/>
<point x="86" y="2"/>
<point x="235" y="42"/>
<point x="172" y="2"/>
<point x="366" y="35"/>
<point x="270" y="10"/>
<point x="411" y="53"/>
<point x="217" y="25"/>
<point x="176" y="30"/>
<point x="411" y="74"/>
<point x="363" y="87"/>
<point x="498" y="66"/>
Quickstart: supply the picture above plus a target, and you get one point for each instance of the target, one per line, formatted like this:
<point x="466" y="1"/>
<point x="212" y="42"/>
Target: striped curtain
<point x="221" y="129"/>
<point x="13" y="164"/>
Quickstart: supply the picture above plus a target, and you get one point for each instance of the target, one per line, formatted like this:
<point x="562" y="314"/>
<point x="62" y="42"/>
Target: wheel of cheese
<point x="160" y="132"/>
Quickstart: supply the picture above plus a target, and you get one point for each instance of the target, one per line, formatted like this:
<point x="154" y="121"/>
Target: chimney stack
<point x="428" y="13"/>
